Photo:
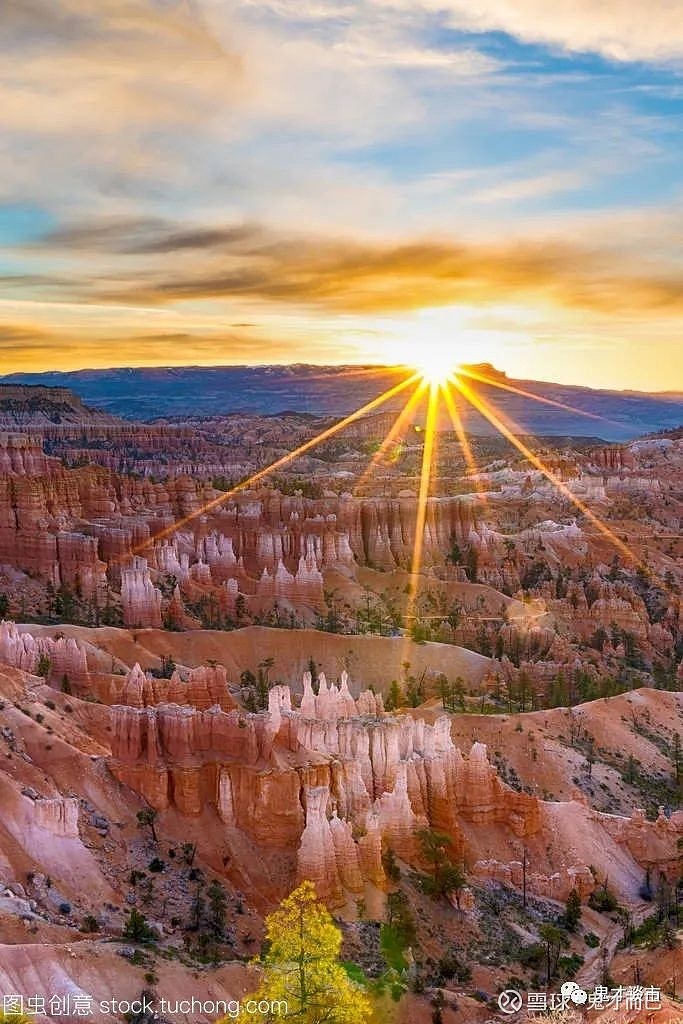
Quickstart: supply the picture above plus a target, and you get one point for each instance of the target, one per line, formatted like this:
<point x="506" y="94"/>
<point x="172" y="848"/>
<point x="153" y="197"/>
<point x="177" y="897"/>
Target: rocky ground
<point x="207" y="697"/>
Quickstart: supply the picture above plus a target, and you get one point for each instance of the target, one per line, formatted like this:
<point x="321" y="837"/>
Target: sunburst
<point x="434" y="374"/>
<point x="435" y="363"/>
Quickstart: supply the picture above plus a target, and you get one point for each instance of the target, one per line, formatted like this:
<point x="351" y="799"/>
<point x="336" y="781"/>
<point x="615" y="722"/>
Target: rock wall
<point x="555" y="887"/>
<point x="62" y="656"/>
<point x="335" y="779"/>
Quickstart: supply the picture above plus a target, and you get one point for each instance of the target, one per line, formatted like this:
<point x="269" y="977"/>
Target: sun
<point x="435" y="363"/>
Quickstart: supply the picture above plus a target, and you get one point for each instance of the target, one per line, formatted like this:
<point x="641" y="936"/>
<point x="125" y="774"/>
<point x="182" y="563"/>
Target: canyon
<point x="216" y="675"/>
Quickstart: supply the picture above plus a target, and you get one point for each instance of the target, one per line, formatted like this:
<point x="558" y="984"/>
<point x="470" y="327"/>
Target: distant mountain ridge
<point x="147" y="393"/>
<point x="23" y="405"/>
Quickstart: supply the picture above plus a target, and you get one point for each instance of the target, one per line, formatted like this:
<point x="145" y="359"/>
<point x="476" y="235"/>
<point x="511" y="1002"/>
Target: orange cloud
<point x="253" y="263"/>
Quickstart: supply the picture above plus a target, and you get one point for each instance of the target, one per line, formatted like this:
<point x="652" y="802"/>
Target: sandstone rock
<point x="140" y="599"/>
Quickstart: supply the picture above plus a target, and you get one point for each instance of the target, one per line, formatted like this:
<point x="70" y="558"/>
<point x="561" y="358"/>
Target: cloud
<point x="532" y="187"/>
<point x="308" y="165"/>
<point x="365" y="49"/>
<point x="147" y="235"/>
<point x="74" y="65"/>
<point x="101" y="101"/>
<point x="622" y="30"/>
<point x="14" y="336"/>
<point x="27" y="346"/>
<point x="257" y="264"/>
<point x="211" y="108"/>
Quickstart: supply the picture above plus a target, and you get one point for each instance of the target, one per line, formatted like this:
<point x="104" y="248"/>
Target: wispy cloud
<point x="27" y="346"/>
<point x="364" y="48"/>
<point x="624" y="30"/>
<point x="72" y="65"/>
<point x="345" y="275"/>
<point x="533" y="187"/>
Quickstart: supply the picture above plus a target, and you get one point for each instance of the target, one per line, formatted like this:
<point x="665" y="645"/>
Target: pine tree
<point x="301" y="966"/>
<point x="217" y="906"/>
<point x="554" y="939"/>
<point x="147" y="818"/>
<point x="677" y="760"/>
<point x="395" y="698"/>
<point x="136" y="928"/>
<point x="447" y="877"/>
<point x="572" y="913"/>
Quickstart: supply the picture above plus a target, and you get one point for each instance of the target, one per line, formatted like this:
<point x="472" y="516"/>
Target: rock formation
<point x="377" y="779"/>
<point x="57" y="659"/>
<point x="140" y="599"/>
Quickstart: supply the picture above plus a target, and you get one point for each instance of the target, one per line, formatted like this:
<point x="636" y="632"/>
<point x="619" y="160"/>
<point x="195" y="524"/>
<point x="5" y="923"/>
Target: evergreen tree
<point x="217" y="906"/>
<point x="136" y="928"/>
<point x="572" y="913"/>
<point x="554" y="939"/>
<point x="446" y="877"/>
<point x="147" y="817"/>
<point x="301" y="966"/>
<point x="395" y="698"/>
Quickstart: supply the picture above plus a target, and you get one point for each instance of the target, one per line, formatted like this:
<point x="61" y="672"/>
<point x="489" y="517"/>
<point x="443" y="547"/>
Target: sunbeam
<point x="261" y="474"/>
<point x="433" y="377"/>
<point x="397" y="430"/>
<point x="483" y="407"/>
<point x="423" y="499"/>
<point x="456" y="420"/>
<point x="483" y="379"/>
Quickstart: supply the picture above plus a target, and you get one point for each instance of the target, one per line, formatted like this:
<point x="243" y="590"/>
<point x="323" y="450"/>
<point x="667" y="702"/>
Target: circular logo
<point x="570" y="990"/>
<point x="510" y="1001"/>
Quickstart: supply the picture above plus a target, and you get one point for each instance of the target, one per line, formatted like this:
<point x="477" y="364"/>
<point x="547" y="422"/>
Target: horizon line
<point x="385" y="367"/>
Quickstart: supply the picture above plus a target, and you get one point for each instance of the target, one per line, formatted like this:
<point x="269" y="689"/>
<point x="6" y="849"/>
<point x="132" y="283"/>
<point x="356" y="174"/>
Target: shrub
<point x="572" y="913"/>
<point x="391" y="868"/>
<point x="532" y="955"/>
<point x="44" y="665"/>
<point x="136" y="928"/>
<point x="569" y="965"/>
<point x="450" y="966"/>
<point x="603" y="900"/>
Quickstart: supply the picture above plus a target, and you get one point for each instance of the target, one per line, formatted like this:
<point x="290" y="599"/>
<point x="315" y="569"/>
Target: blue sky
<point x="349" y="179"/>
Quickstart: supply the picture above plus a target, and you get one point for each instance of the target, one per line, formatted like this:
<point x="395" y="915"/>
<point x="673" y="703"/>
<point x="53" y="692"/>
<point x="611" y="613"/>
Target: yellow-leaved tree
<point x="301" y="969"/>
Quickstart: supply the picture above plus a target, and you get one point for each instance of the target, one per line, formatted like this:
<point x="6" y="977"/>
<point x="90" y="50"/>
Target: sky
<point x="255" y="181"/>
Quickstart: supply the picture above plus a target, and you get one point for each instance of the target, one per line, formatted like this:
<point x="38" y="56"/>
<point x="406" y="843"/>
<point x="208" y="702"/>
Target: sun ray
<point x="485" y="409"/>
<point x="422" y="501"/>
<point x="456" y="420"/>
<point x="261" y="474"/>
<point x="483" y="379"/>
<point x="400" y="424"/>
<point x="369" y="370"/>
